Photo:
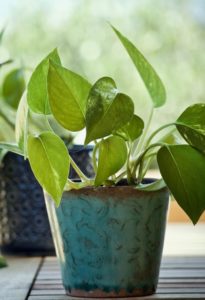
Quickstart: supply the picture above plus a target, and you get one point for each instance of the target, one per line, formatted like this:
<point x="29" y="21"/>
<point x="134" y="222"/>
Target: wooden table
<point x="39" y="279"/>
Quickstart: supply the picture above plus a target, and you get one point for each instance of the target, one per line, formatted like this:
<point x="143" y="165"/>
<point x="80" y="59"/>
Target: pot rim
<point x="126" y="189"/>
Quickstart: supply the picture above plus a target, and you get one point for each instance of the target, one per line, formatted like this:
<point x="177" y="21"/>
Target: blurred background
<point x="171" y="35"/>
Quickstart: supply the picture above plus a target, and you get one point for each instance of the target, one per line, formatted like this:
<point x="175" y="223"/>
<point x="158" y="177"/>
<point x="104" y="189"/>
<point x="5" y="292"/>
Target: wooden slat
<point x="168" y="290"/>
<point x="180" y="278"/>
<point x="16" y="279"/>
<point x="155" y="297"/>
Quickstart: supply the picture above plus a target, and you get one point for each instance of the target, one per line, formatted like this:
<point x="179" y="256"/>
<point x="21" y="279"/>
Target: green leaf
<point x="37" y="88"/>
<point x="3" y="262"/>
<point x="112" y="157"/>
<point x="12" y="147"/>
<point x="21" y="129"/>
<point x="151" y="187"/>
<point x="183" y="169"/>
<point x="49" y="162"/>
<point x="151" y="79"/>
<point x="68" y="94"/>
<point x="191" y="125"/>
<point x="132" y="130"/>
<point x="107" y="110"/>
<point x="13" y="87"/>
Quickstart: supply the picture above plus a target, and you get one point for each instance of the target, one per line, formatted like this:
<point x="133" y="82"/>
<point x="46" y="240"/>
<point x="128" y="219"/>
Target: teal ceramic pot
<point x="109" y="240"/>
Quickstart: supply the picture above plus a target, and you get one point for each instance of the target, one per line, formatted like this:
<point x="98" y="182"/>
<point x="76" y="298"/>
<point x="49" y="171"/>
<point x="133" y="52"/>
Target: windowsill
<point x="185" y="239"/>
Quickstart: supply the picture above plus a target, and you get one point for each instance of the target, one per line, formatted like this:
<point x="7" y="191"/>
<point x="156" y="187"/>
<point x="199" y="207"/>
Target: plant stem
<point x="25" y="134"/>
<point x="142" y="138"/>
<point x="157" y="131"/>
<point x="151" y="155"/>
<point x="119" y="177"/>
<point x="141" y="156"/>
<point x="94" y="157"/>
<point x="48" y="124"/>
<point x="143" y="170"/>
<point x="166" y="135"/>
<point x="77" y="185"/>
<point x="78" y="171"/>
<point x="129" y="174"/>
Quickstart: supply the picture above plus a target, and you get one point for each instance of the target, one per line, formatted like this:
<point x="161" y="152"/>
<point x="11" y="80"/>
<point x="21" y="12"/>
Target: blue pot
<point x="109" y="240"/>
<point x="24" y="226"/>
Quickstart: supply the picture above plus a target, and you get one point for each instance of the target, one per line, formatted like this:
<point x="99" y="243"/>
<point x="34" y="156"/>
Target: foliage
<point x="12" y="96"/>
<point x="3" y="262"/>
<point x="123" y="145"/>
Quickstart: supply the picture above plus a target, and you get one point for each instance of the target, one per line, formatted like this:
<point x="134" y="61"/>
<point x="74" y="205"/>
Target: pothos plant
<point x="123" y="146"/>
<point x="12" y="88"/>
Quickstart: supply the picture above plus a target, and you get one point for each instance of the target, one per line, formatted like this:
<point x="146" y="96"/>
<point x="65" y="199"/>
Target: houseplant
<point x="109" y="230"/>
<point x="24" y="226"/>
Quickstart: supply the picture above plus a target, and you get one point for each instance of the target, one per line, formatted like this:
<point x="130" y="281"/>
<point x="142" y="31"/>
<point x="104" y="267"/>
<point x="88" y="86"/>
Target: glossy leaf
<point x="132" y="130"/>
<point x="21" y="123"/>
<point x="112" y="157"/>
<point x="183" y="169"/>
<point x="191" y="125"/>
<point x="151" y="187"/>
<point x="49" y="161"/>
<point x="107" y="110"/>
<point x="68" y="94"/>
<point x="37" y="87"/>
<point x="151" y="79"/>
<point x="13" y="87"/>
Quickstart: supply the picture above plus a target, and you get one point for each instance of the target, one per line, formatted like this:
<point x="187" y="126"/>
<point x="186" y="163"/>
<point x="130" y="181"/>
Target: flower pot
<point x="109" y="240"/>
<point x="24" y="226"/>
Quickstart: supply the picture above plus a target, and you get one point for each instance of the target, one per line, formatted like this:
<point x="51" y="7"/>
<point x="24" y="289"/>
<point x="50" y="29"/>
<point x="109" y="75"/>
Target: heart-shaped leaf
<point x="68" y="94"/>
<point x="151" y="80"/>
<point x="132" y="130"/>
<point x="37" y="87"/>
<point x="191" y="125"/>
<point x="13" y="87"/>
<point x="107" y="110"/>
<point x="49" y="162"/>
<point x="112" y="157"/>
<point x="183" y="169"/>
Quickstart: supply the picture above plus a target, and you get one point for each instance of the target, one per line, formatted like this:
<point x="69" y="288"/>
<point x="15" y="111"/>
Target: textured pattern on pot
<point x="109" y="240"/>
<point x="23" y="219"/>
<point x="24" y="225"/>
